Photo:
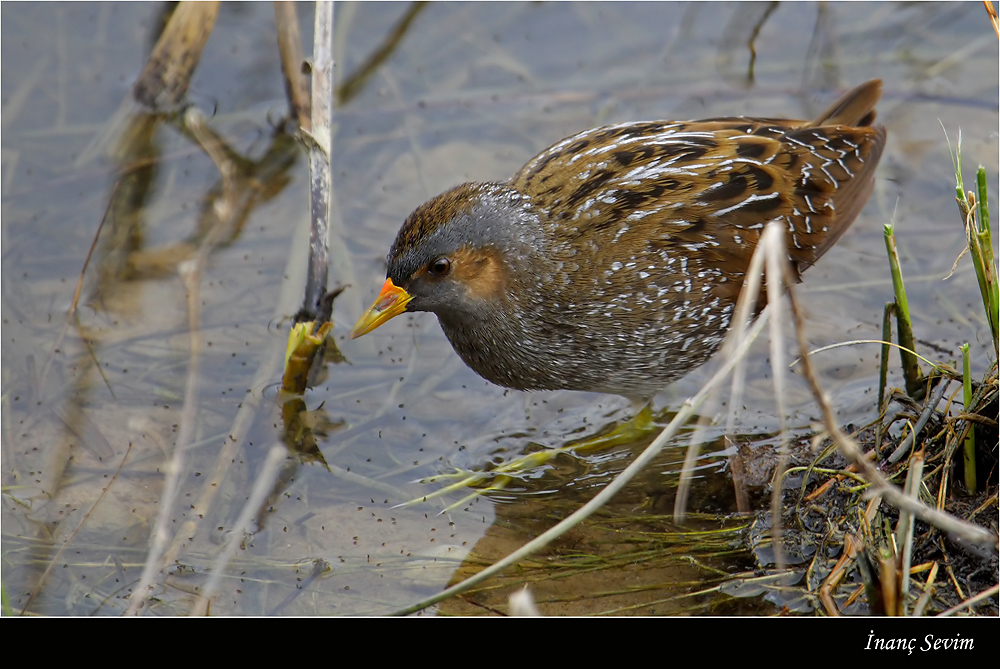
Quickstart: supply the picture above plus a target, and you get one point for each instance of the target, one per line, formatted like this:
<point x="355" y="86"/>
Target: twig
<point x="317" y="140"/>
<point x="55" y="558"/>
<point x="739" y="323"/>
<point x="76" y="292"/>
<point x="165" y="79"/>
<point x="925" y="415"/>
<point x="262" y="487"/>
<point x="777" y="269"/>
<point x="904" y="529"/>
<point x="991" y="10"/>
<point x="353" y="83"/>
<point x="290" y="47"/>
<point x="191" y="272"/>
<point x="928" y="590"/>
<point x="985" y="594"/>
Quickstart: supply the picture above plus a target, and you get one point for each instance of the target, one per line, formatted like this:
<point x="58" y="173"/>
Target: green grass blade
<point x="911" y="369"/>
<point x="969" y="447"/>
<point x="982" y="199"/>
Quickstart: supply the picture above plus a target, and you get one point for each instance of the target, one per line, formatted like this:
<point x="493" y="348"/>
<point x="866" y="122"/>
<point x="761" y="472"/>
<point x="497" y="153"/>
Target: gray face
<point x="464" y="225"/>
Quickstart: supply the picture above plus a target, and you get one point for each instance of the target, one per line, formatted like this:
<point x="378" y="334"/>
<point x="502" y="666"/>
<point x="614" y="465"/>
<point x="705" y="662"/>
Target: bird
<point x="612" y="261"/>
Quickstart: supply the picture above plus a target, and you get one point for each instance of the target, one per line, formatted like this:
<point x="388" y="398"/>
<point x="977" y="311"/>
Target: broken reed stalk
<point x="312" y="322"/>
<point x="262" y="487"/>
<point x="777" y="267"/>
<point x="37" y="586"/>
<point x="904" y="530"/>
<point x="911" y="370"/>
<point x="317" y="141"/>
<point x="355" y="82"/>
<point x="165" y="79"/>
<point x="290" y="48"/>
<point x="992" y="12"/>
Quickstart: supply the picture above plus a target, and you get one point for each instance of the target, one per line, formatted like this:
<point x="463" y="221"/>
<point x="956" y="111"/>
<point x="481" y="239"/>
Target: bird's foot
<point x="636" y="428"/>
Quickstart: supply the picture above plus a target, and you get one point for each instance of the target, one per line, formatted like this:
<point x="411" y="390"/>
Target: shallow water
<point x="470" y="92"/>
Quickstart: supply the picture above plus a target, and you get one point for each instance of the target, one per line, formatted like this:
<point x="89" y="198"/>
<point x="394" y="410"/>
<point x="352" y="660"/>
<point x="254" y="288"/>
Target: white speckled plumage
<point x="612" y="260"/>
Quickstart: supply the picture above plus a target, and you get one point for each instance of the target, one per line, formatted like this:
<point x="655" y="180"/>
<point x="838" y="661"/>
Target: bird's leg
<point x="632" y="430"/>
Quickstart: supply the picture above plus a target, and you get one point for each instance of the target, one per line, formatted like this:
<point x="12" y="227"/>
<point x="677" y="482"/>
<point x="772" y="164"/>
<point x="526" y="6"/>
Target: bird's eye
<point x="440" y="267"/>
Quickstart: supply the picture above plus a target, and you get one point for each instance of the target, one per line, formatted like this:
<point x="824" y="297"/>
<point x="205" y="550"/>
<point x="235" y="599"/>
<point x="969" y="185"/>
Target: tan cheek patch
<point x="481" y="272"/>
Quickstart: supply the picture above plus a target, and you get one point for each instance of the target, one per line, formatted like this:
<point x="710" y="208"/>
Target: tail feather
<point x="854" y="108"/>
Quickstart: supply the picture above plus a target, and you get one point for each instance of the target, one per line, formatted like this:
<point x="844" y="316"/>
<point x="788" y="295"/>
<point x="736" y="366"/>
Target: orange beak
<point x="391" y="302"/>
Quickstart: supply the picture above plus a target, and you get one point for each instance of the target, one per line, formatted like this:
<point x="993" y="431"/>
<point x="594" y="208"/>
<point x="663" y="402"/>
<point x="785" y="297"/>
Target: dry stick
<point x="735" y="402"/>
<point x="991" y="10"/>
<point x="165" y="79"/>
<point x="228" y="451"/>
<point x="262" y="486"/>
<point x="190" y="272"/>
<point x="66" y="542"/>
<point x="928" y="590"/>
<point x="921" y="422"/>
<point x="904" y="528"/>
<point x="974" y="418"/>
<point x="669" y="432"/>
<point x="245" y="416"/>
<point x="985" y="594"/>
<point x="353" y="83"/>
<point x="76" y="292"/>
<point x="317" y="142"/>
<point x="738" y="324"/>
<point x="962" y="531"/>
<point x="852" y="545"/>
<point x="290" y="47"/>
<point x="777" y="268"/>
<point x="982" y="507"/>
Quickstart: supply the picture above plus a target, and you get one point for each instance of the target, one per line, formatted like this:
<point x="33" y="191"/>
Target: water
<point x="469" y="92"/>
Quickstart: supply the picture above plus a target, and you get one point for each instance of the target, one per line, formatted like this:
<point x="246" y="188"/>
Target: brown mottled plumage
<point x="611" y="262"/>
